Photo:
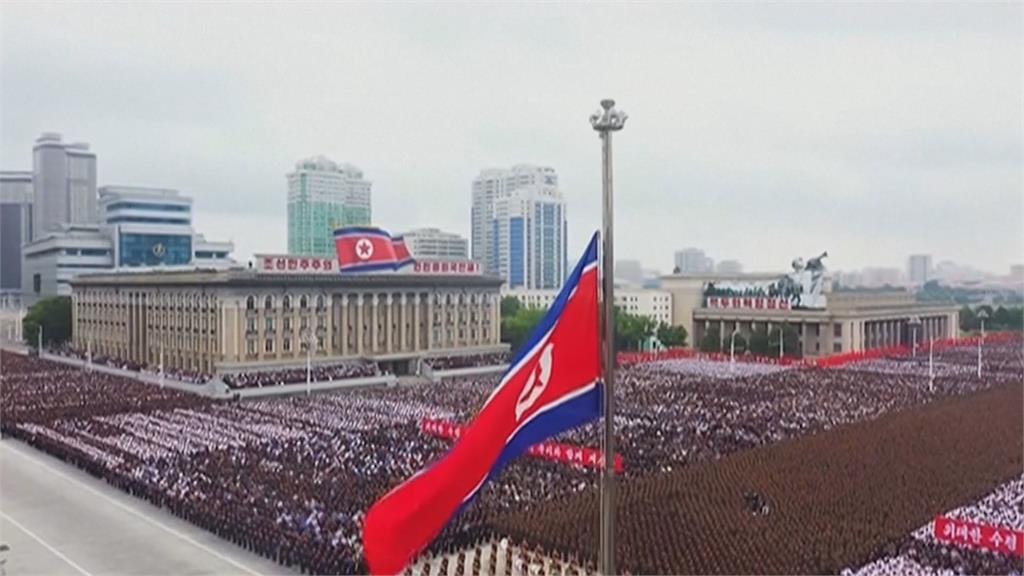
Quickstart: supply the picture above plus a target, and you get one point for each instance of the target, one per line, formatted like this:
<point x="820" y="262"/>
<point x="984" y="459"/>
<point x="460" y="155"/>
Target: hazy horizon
<point x="757" y="132"/>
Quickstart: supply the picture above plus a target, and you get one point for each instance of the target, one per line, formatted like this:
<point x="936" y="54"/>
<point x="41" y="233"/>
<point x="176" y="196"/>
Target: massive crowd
<point x="317" y="373"/>
<point x="187" y="376"/>
<point x="291" y="478"/>
<point x="920" y="553"/>
<point x="468" y="360"/>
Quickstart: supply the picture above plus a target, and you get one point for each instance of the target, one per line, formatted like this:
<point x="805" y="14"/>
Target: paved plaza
<point x="58" y="520"/>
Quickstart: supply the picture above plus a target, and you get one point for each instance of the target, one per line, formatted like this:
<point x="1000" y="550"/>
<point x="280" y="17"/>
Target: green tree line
<point x="761" y="342"/>
<point x="632" y="331"/>
<point x="54" y="316"/>
<point x="999" y="319"/>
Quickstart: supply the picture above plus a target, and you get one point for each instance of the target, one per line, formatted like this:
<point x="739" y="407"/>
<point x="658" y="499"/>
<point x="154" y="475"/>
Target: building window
<point x="320" y="343"/>
<point x="837" y="347"/>
<point x="154" y="249"/>
<point x="268" y="346"/>
<point x="250" y="346"/>
<point x="837" y="330"/>
<point x="252" y="325"/>
<point x="286" y="345"/>
<point x="270" y="325"/>
<point x="303" y="302"/>
<point x="250" y="303"/>
<point x="287" y="323"/>
<point x="320" y="302"/>
<point x="268" y="303"/>
<point x="287" y="302"/>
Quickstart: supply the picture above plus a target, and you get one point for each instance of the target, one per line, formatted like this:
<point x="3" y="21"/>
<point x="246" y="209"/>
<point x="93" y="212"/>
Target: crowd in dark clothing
<point x="291" y="478"/>
<point x="187" y="376"/>
<point x="318" y="373"/>
<point x="468" y="361"/>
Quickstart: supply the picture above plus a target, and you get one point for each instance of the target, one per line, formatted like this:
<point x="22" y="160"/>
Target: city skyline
<point x="716" y="158"/>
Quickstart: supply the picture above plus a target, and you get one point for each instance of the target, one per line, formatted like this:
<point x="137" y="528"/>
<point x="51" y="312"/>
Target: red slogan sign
<point x="971" y="534"/>
<point x="553" y="451"/>
<point x="747" y="302"/>
<point x="460" y="267"/>
<point x="284" y="264"/>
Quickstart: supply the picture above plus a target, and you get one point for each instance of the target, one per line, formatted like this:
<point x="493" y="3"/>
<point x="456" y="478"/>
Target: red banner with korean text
<point x="984" y="536"/>
<point x="552" y="451"/>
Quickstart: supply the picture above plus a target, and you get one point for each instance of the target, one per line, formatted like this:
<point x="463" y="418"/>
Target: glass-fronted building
<point x="529" y="239"/>
<point x="324" y="195"/>
<point x="140" y="228"/>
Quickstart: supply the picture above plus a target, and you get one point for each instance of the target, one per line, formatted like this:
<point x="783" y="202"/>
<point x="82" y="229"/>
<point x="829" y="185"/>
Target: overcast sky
<point x="757" y="132"/>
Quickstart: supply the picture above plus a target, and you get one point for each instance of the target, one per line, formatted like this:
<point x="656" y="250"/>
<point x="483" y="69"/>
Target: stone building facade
<point x="213" y="321"/>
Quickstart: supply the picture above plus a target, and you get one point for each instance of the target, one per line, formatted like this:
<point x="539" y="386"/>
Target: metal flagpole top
<point x="608" y="119"/>
<point x="605" y="121"/>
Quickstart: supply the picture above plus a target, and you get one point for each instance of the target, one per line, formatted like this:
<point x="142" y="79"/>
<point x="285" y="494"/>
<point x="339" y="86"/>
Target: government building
<point x="827" y="322"/>
<point x="210" y="320"/>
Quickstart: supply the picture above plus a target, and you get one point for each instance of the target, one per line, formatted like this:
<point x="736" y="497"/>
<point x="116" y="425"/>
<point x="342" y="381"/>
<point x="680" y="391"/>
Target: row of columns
<point x="389" y="323"/>
<point x="136" y="326"/>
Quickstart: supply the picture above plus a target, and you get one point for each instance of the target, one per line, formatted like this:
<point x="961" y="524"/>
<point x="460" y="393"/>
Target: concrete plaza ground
<point x="58" y="520"/>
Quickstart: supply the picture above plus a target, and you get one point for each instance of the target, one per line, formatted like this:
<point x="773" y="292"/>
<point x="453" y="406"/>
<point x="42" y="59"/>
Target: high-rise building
<point x="15" y="226"/>
<point x="693" y="261"/>
<point x="919" y="268"/>
<point x="729" y="267"/>
<point x="64" y="184"/>
<point x="139" y="228"/>
<point x="435" y="244"/>
<point x="324" y="195"/>
<point x="529" y="238"/>
<point x="492" y="184"/>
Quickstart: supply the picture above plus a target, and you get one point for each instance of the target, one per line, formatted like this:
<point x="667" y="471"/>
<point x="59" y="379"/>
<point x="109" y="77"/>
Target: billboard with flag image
<point x="369" y="249"/>
<point x="552" y="385"/>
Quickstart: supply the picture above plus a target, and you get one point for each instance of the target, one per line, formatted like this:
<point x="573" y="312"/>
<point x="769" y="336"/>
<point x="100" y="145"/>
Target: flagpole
<point x="606" y="121"/>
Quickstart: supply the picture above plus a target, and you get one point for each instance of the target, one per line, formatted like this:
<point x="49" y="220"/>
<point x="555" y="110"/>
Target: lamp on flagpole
<point x="732" y="348"/>
<point x="931" y="365"/>
<point x="307" y="339"/>
<point x="982" y="315"/>
<point x="606" y="121"/>
<point x="915" y="326"/>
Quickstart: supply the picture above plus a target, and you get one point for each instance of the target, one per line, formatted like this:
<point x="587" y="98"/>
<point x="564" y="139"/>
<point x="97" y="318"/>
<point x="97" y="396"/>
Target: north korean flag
<point x="551" y="386"/>
<point x="367" y="249"/>
<point x="402" y="255"/>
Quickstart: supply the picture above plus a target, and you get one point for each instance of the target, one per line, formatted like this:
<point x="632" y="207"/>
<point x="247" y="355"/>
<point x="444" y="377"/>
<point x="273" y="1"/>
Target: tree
<point x="1007" y="318"/>
<point x="790" y="341"/>
<point x="758" y="343"/>
<point x="54" y="315"/>
<point x="516" y="329"/>
<point x="631" y="330"/>
<point x="968" y="320"/>
<point x="510" y="305"/>
<point x="740" y="344"/>
<point x="672" y="336"/>
<point x="711" y="341"/>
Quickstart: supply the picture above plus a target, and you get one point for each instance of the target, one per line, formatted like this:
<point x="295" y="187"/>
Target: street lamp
<point x="982" y="315"/>
<point x="307" y="338"/>
<point x="931" y="364"/>
<point x="732" y="348"/>
<point x="915" y="325"/>
<point x="606" y="121"/>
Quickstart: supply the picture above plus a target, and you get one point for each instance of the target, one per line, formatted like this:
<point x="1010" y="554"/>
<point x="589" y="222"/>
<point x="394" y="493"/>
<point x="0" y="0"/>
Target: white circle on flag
<point x="364" y="249"/>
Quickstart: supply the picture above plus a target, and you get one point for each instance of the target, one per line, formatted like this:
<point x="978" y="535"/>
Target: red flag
<point x="551" y="386"/>
<point x="368" y="249"/>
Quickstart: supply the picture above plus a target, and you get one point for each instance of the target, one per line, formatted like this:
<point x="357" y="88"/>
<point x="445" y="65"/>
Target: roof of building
<point x="251" y="278"/>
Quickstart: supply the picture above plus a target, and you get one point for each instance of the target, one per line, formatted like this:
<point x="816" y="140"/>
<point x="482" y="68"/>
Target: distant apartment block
<point x="324" y="195"/>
